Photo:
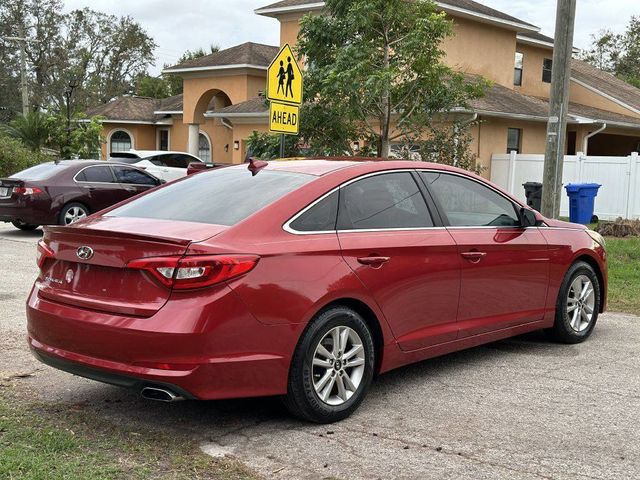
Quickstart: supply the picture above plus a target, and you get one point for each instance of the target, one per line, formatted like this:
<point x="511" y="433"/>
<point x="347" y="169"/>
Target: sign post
<point x="284" y="92"/>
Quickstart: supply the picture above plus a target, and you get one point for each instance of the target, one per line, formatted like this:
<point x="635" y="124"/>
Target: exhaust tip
<point x="160" y="395"/>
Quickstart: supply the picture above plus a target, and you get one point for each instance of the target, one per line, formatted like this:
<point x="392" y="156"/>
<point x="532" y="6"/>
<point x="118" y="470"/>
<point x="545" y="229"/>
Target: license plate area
<point x="5" y="192"/>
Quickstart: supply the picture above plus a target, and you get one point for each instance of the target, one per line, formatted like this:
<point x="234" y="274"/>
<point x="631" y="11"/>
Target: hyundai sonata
<point x="305" y="279"/>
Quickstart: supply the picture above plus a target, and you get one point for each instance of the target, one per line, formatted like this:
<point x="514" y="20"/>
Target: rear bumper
<point x="104" y="376"/>
<point x="25" y="212"/>
<point x="204" y="347"/>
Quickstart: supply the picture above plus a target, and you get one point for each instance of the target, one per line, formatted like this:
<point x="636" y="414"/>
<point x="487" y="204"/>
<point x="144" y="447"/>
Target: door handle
<point x="373" y="261"/>
<point x="473" y="257"/>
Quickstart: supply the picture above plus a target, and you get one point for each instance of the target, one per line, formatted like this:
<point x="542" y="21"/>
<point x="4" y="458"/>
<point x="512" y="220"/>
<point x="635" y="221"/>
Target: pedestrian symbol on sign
<point x="284" y="78"/>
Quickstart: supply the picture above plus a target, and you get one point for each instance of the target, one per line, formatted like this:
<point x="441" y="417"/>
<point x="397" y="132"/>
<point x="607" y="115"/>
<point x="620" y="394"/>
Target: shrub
<point x="620" y="228"/>
<point x="14" y="157"/>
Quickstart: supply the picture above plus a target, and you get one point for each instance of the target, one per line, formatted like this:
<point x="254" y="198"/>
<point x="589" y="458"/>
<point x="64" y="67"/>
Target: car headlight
<point x="597" y="238"/>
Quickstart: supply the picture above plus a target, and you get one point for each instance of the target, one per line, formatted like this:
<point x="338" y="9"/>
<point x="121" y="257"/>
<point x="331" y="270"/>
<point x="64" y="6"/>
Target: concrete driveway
<point x="522" y="408"/>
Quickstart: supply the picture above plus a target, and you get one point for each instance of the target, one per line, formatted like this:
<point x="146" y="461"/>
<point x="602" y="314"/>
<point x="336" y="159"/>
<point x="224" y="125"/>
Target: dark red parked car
<point x="305" y="279"/>
<point x="66" y="191"/>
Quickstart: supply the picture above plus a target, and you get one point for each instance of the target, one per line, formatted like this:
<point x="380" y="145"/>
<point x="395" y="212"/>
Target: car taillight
<point x="185" y="273"/>
<point x="42" y="253"/>
<point x="26" y="190"/>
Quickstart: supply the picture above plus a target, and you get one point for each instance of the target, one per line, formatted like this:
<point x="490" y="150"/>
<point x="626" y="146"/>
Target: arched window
<point x="120" y="142"/>
<point x="204" y="148"/>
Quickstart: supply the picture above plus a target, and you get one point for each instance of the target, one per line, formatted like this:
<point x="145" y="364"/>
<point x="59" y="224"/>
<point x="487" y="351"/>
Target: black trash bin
<point x="533" y="191"/>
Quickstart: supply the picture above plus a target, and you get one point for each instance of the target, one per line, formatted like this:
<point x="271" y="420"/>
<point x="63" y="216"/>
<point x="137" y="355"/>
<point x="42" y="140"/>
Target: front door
<point x="408" y="263"/>
<point x="133" y="180"/>
<point x="505" y="267"/>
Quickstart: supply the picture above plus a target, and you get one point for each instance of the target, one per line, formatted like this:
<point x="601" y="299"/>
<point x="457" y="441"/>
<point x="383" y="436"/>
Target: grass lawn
<point x="49" y="442"/>
<point x="624" y="274"/>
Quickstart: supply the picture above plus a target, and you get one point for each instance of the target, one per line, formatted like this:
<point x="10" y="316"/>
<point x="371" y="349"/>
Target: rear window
<point x="221" y="197"/>
<point x="39" y="172"/>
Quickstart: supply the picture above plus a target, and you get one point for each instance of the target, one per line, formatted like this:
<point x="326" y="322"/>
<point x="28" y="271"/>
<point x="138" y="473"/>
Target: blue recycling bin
<point x="581" y="201"/>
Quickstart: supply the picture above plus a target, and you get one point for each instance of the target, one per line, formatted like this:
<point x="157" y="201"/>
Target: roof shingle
<point x="470" y="5"/>
<point x="502" y="100"/>
<point x="606" y="83"/>
<point x="246" y="54"/>
<point x="129" y="108"/>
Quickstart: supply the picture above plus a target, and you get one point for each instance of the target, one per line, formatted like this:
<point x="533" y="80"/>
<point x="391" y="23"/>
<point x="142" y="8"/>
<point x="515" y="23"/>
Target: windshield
<point x="221" y="197"/>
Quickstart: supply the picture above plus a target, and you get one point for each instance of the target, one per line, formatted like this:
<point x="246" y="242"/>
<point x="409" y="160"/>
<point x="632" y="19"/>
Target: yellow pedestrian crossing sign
<point x="284" y="78"/>
<point x="284" y="118"/>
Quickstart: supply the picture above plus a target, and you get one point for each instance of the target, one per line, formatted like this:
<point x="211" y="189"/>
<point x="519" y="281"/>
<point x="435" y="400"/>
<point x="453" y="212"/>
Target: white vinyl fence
<point x="619" y="195"/>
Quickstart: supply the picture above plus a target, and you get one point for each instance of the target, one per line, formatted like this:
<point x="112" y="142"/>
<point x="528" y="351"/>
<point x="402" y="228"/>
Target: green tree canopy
<point x="33" y="130"/>
<point x="375" y="63"/>
<point x="97" y="56"/>
<point x="617" y="53"/>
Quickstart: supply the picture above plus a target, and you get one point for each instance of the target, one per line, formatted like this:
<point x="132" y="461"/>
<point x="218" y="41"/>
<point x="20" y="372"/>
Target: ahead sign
<point x="284" y="118"/>
<point x="284" y="78"/>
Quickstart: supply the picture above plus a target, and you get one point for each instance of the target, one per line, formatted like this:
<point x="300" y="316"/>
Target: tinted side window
<point x="158" y="160"/>
<point x="97" y="175"/>
<point x="133" y="176"/>
<point x="319" y="218"/>
<point x="390" y="200"/>
<point x="175" y="160"/>
<point x="467" y="203"/>
<point x="182" y="161"/>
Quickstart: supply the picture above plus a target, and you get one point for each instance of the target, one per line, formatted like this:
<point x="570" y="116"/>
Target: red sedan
<point x="305" y="279"/>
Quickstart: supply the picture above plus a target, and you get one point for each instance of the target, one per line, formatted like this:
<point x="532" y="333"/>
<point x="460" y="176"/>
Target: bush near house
<point x="14" y="156"/>
<point x="619" y="228"/>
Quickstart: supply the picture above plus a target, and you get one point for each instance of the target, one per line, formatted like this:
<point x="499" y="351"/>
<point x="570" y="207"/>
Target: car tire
<point x="25" y="227"/>
<point x="72" y="212"/>
<point x="325" y="393"/>
<point x="576" y="308"/>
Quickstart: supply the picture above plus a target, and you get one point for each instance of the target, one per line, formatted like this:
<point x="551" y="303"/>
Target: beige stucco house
<point x="220" y="105"/>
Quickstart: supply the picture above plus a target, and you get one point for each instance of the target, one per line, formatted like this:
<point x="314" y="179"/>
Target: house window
<point x="547" y="66"/>
<point x="514" y="140"/>
<point x="517" y="74"/>
<point x="163" y="140"/>
<point x="204" y="148"/>
<point x="120" y="142"/>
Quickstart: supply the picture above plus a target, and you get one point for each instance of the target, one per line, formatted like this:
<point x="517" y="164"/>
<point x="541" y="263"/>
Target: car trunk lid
<point x="7" y="185"/>
<point x="88" y="268"/>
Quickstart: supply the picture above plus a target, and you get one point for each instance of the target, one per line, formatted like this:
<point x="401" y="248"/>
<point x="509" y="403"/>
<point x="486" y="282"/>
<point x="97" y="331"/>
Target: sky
<point x="191" y="24"/>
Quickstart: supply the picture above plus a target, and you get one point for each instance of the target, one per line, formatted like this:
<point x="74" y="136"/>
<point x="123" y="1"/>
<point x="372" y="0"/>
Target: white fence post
<point x="580" y="158"/>
<point x="633" y="179"/>
<point x="512" y="172"/>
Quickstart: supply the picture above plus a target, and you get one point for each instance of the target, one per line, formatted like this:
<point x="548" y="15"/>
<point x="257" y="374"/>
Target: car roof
<point x="150" y="153"/>
<point x="78" y="162"/>
<point x="323" y="166"/>
<point x="85" y="163"/>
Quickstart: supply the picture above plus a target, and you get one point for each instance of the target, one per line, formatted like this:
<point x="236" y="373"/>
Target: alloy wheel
<point x="74" y="214"/>
<point x="581" y="301"/>
<point x="338" y="365"/>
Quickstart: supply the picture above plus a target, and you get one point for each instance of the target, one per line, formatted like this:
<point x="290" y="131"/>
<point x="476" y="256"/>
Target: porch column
<point x="194" y="138"/>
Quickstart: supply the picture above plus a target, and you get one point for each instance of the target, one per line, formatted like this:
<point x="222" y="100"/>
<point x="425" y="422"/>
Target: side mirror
<point x="528" y="218"/>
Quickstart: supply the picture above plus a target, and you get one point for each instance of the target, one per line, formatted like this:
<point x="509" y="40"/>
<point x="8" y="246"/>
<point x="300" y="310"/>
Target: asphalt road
<point x="522" y="408"/>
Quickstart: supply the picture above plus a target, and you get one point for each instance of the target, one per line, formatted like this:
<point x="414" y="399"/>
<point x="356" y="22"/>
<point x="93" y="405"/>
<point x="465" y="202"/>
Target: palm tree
<point x="33" y="130"/>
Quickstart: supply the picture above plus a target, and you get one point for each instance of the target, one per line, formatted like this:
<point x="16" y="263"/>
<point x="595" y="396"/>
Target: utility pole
<point x="23" y="67"/>
<point x="559" y="104"/>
